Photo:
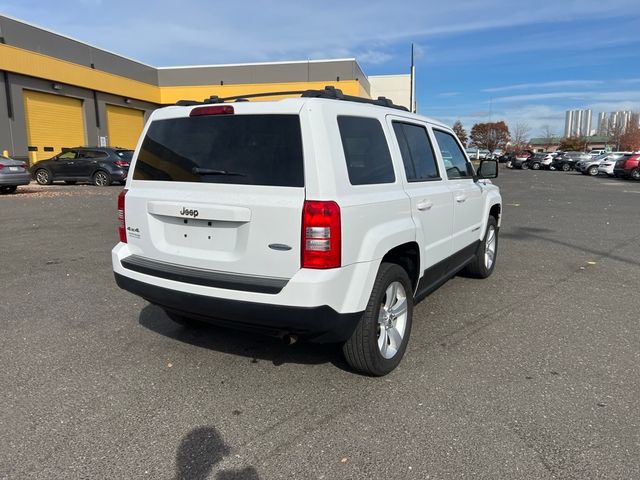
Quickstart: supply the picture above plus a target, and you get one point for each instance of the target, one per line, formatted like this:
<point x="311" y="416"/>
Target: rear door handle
<point x="425" y="205"/>
<point x="461" y="198"/>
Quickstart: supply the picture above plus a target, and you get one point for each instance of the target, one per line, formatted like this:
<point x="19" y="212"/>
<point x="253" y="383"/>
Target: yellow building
<point x="58" y="92"/>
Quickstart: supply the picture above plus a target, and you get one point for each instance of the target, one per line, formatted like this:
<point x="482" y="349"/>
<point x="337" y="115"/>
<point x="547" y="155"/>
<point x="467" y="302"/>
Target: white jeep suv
<point x="324" y="217"/>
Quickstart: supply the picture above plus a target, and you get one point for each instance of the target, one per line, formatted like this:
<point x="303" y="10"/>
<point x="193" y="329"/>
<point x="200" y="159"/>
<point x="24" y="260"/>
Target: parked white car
<point x="317" y="217"/>
<point x="607" y="164"/>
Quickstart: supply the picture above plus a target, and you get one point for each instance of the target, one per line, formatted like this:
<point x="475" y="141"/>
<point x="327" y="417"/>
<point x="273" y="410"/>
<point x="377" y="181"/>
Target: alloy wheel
<point x="490" y="247"/>
<point x="392" y="320"/>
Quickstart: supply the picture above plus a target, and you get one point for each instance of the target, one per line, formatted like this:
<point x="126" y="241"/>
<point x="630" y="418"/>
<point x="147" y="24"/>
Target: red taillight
<point x="212" y="110"/>
<point x="321" y="235"/>
<point x="122" y="228"/>
<point x="1" y="166"/>
<point x="121" y="163"/>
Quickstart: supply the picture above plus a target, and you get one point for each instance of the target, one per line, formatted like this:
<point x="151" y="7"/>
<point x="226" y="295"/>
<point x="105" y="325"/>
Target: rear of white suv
<point x="217" y="223"/>
<point x="307" y="217"/>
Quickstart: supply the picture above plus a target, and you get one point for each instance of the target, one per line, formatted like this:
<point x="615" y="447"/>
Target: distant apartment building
<point x="577" y="123"/>
<point x="608" y="122"/>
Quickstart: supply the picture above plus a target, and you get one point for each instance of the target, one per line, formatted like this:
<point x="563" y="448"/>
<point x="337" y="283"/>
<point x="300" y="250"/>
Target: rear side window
<point x="366" y="151"/>
<point x="237" y="149"/>
<point x="454" y="159"/>
<point x="417" y="152"/>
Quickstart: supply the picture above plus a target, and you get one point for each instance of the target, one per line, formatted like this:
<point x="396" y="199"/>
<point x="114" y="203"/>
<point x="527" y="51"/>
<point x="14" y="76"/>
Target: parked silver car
<point x="12" y="173"/>
<point x="590" y="167"/>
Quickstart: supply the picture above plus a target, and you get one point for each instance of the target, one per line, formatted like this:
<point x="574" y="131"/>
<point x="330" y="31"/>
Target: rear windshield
<point x="238" y="149"/>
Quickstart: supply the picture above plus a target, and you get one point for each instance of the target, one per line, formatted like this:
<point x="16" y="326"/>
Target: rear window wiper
<point x="211" y="171"/>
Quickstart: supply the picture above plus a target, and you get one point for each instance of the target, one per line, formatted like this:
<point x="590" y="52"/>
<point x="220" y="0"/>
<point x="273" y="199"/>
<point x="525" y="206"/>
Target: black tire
<point x="635" y="174"/>
<point x="70" y="182"/>
<point x="185" y="321"/>
<point x="101" y="179"/>
<point x="8" y="188"/>
<point x="566" y="167"/>
<point x="43" y="176"/>
<point x="535" y="166"/>
<point x="524" y="166"/>
<point x="478" y="267"/>
<point x="361" y="350"/>
<point x="593" y="171"/>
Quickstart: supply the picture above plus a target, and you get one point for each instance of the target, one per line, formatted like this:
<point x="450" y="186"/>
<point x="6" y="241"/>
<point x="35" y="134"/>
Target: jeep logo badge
<point x="189" y="213"/>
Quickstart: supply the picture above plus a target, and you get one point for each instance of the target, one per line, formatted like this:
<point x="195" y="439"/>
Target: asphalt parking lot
<point x="533" y="373"/>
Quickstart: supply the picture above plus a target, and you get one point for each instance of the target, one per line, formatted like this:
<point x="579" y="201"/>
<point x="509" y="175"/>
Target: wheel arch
<point x="406" y="256"/>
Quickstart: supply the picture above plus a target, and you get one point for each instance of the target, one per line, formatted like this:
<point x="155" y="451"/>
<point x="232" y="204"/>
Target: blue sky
<point x="476" y="60"/>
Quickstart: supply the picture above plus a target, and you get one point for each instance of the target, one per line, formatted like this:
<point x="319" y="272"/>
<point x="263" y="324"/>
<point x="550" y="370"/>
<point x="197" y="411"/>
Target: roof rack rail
<point x="329" y="92"/>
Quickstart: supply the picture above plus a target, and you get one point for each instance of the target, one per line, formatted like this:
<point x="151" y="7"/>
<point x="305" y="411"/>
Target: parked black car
<point x="99" y="165"/>
<point x="566" y="161"/>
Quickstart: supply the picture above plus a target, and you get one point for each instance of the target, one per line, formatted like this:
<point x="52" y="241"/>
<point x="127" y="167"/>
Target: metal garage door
<point x="53" y="122"/>
<point x="125" y="125"/>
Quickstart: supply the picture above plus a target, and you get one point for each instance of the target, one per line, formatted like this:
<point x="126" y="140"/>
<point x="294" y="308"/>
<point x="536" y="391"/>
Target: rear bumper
<point x="15" y="179"/>
<point x="321" y="324"/>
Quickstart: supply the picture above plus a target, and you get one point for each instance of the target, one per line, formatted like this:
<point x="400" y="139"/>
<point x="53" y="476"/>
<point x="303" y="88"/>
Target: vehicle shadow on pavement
<point x="246" y="344"/>
<point x="200" y="450"/>
<point x="525" y="233"/>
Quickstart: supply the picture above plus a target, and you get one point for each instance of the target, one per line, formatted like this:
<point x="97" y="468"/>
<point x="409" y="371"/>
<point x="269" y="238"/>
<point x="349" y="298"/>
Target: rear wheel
<point x="535" y="166"/>
<point x="593" y="171"/>
<point x="483" y="264"/>
<point x="566" y="167"/>
<point x="8" y="188"/>
<point x="101" y="179"/>
<point x="635" y="174"/>
<point x="380" y="338"/>
<point x="43" y="177"/>
<point x="524" y="166"/>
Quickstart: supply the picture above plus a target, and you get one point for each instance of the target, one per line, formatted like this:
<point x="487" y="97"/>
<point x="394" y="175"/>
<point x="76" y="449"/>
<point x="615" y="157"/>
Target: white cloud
<point x="559" y="83"/>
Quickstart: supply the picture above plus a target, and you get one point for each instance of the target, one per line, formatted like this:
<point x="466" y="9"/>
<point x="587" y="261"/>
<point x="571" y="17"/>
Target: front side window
<point x="417" y="153"/>
<point x="68" y="155"/>
<point x="455" y="163"/>
<point x="366" y="151"/>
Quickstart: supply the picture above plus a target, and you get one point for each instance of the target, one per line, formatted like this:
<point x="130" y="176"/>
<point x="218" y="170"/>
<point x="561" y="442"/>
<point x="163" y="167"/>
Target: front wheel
<point x="43" y="177"/>
<point x="525" y="166"/>
<point x="566" y="167"/>
<point x="535" y="166"/>
<point x="593" y="171"/>
<point x="380" y="339"/>
<point x="635" y="174"/>
<point x="485" y="261"/>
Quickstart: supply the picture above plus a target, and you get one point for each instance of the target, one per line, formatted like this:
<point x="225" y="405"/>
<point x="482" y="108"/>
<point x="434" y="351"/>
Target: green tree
<point x="573" y="144"/>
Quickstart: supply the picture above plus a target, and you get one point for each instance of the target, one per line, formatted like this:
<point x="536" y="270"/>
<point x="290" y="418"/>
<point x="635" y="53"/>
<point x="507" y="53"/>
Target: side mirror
<point x="488" y="169"/>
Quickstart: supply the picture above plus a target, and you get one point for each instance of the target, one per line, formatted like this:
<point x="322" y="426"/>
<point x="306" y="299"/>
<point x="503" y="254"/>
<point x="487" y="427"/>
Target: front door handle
<point x="461" y="198"/>
<point x="425" y="205"/>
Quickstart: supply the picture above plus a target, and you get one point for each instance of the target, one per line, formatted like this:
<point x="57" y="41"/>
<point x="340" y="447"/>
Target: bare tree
<point x="615" y="131"/>
<point x="550" y="136"/>
<point x="520" y="137"/>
